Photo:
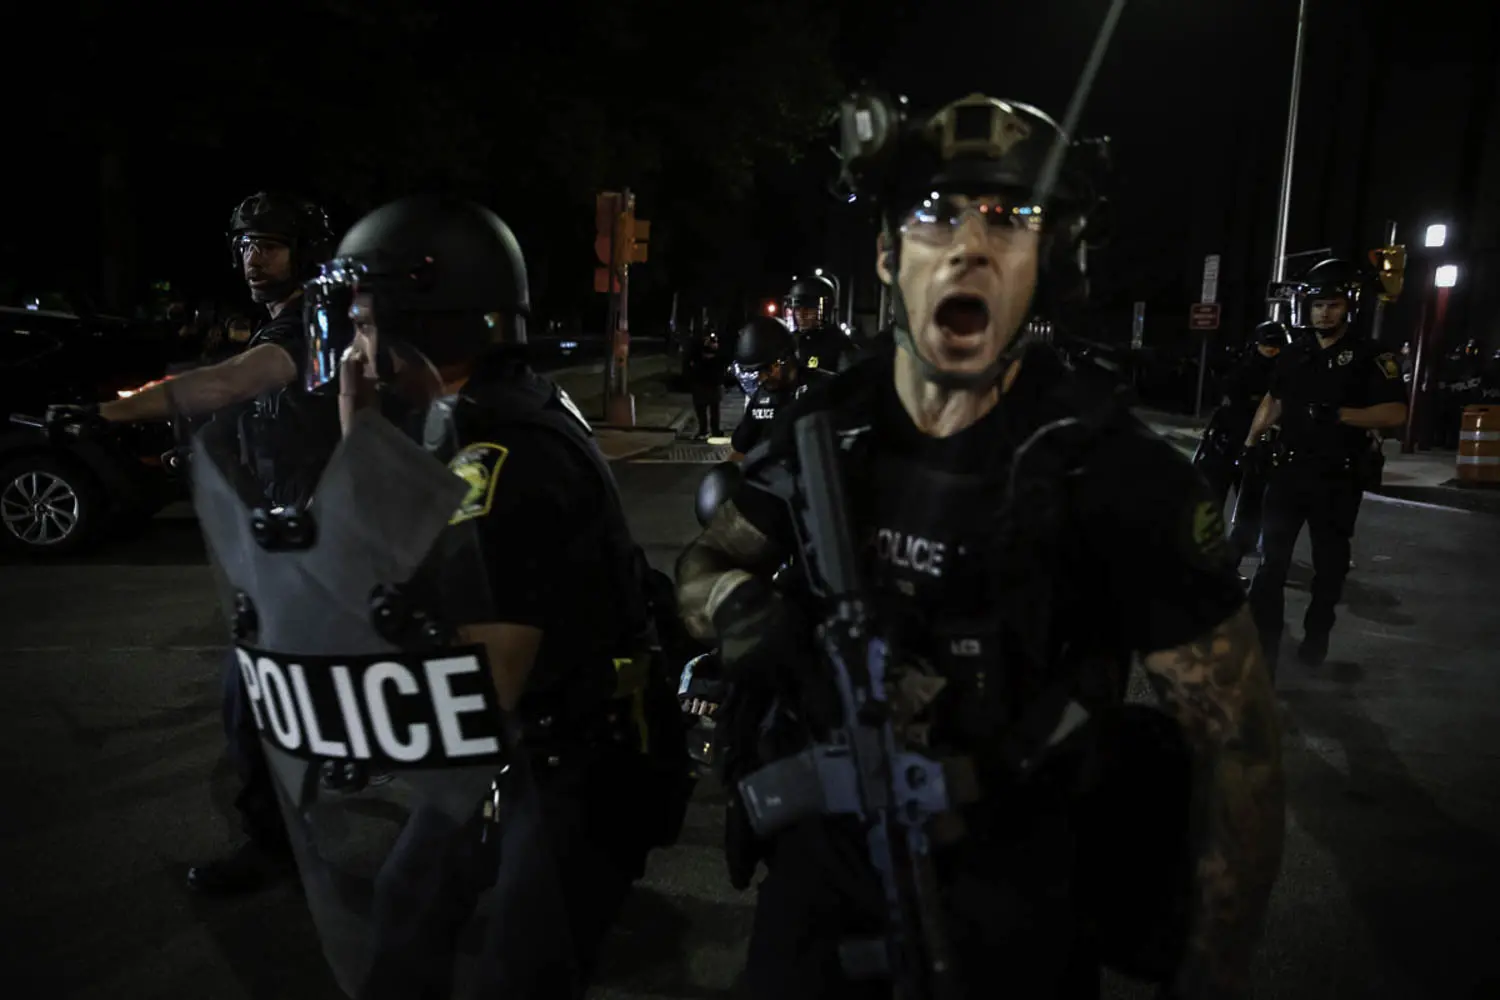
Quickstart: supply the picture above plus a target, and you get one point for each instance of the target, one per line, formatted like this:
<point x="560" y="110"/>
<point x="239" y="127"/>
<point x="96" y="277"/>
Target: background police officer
<point x="1244" y="386"/>
<point x="1221" y="459"/>
<point x="810" y="307"/>
<point x="1327" y="393"/>
<point x="1107" y="546"/>
<point x="706" y="363"/>
<point x="436" y="289"/>
<point x="276" y="242"/>
<point x="766" y="366"/>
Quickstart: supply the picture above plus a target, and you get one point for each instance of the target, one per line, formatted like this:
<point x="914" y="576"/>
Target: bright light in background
<point x="1437" y="235"/>
<point x="818" y="272"/>
<point x="770" y="309"/>
<point x="1446" y="276"/>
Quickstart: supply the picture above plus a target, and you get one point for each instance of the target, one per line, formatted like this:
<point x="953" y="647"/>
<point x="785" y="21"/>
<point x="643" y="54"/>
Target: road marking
<point x="1398" y="501"/>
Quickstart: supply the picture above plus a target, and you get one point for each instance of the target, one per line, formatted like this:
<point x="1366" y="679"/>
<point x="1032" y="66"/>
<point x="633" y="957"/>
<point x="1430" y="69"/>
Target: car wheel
<point x="47" y="507"/>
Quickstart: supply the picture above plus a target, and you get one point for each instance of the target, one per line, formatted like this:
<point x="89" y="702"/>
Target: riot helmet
<point x="279" y="219"/>
<point x="809" y="304"/>
<point x="1332" y="279"/>
<point x="1005" y="164"/>
<point x="1271" y="336"/>
<point x="445" y="280"/>
<point x="763" y="348"/>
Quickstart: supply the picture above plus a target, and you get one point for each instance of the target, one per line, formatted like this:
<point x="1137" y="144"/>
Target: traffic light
<point x="1390" y="268"/>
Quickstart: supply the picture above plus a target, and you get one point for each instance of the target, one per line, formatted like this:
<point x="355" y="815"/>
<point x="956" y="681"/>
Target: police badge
<point x="1345" y="357"/>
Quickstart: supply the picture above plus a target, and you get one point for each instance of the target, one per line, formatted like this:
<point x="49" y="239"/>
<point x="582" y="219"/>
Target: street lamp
<point x="1429" y="339"/>
<point x="838" y="291"/>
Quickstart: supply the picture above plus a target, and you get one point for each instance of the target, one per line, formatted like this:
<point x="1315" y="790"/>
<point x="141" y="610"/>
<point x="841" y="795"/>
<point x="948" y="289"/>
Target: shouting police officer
<point x="436" y="292"/>
<point x="1023" y="540"/>
<point x="766" y="367"/>
<point x="811" y="311"/>
<point x="1328" y="392"/>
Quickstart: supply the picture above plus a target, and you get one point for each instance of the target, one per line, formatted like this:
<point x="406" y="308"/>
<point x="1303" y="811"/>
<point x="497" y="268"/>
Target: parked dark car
<point x="60" y="494"/>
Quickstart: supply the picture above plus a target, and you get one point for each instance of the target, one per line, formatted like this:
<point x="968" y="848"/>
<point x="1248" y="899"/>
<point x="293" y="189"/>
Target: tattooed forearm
<point x="729" y="551"/>
<point x="1220" y="691"/>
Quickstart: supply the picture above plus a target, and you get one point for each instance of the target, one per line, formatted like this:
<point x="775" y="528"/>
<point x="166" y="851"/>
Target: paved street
<point x="111" y="755"/>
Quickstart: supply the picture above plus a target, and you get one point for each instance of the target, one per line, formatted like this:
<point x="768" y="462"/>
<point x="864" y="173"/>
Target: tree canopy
<point x="358" y="101"/>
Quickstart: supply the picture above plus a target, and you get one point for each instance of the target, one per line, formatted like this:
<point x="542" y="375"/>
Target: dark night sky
<point x="1193" y="94"/>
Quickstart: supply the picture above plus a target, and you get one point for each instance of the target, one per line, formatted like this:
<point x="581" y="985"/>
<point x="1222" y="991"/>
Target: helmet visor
<point x="326" y="301"/>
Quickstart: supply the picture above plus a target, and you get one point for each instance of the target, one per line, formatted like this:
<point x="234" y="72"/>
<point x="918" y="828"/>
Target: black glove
<point x="67" y="420"/>
<point x="1323" y="413"/>
<point x="754" y="629"/>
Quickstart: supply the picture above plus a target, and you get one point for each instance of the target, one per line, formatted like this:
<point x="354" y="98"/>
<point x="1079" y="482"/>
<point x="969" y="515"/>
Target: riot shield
<point x="401" y="782"/>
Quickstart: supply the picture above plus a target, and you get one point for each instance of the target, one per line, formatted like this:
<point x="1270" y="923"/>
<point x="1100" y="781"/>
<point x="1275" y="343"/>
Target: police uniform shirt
<point x="760" y="411"/>
<point x="526" y="544"/>
<point x="825" y="349"/>
<point x="1347" y="373"/>
<point x="1147" y="565"/>
<point x="1251" y="379"/>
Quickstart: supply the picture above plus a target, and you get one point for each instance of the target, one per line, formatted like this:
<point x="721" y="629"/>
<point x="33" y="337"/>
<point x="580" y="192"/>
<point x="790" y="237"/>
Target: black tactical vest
<point x="288" y="434"/>
<point x="977" y="571"/>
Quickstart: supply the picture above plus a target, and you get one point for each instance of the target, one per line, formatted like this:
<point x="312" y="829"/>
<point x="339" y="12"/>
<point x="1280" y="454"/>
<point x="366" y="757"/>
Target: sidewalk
<point x="1428" y="477"/>
<point x="659" y="413"/>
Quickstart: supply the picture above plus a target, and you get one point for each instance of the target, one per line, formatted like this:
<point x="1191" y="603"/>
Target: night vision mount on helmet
<point x="976" y="146"/>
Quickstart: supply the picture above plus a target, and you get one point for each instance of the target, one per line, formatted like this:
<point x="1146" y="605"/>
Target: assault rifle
<point x="864" y="771"/>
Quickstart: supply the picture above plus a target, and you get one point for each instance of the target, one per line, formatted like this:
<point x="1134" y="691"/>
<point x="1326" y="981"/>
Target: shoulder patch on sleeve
<point x="1206" y="541"/>
<point x="479" y="466"/>
<point x="1389" y="366"/>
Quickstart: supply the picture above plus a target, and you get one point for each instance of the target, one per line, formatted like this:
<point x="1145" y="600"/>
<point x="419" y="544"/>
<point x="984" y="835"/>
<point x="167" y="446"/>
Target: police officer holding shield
<point x="422" y="314"/>
<point x="1328" y="392"/>
<point x="1023" y="538"/>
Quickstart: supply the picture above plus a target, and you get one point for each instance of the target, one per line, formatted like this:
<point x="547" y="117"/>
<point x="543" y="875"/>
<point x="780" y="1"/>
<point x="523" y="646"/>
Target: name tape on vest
<point x="401" y="710"/>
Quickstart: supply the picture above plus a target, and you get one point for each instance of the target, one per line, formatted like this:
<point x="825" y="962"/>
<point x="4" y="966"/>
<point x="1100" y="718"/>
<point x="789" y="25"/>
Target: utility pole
<point x="620" y="240"/>
<point x="1284" y="210"/>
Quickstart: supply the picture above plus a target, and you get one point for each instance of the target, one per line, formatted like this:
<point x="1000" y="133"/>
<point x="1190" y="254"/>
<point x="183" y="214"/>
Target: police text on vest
<point x="910" y="552"/>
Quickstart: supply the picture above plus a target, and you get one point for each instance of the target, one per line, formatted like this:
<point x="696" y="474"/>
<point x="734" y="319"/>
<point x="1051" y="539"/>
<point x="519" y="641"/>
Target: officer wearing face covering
<point x="1021" y="538"/>
<point x="1327" y="393"/>
<point x="767" y="369"/>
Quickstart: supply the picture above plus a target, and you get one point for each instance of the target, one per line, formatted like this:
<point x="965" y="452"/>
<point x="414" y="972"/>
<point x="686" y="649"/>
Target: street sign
<point x="1138" y="327"/>
<point x="601" y="280"/>
<point x="1204" y="316"/>
<point x="1282" y="291"/>
<point x="1210" y="279"/>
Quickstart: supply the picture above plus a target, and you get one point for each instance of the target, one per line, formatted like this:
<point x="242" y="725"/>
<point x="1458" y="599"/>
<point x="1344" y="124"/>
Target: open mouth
<point x="962" y="314"/>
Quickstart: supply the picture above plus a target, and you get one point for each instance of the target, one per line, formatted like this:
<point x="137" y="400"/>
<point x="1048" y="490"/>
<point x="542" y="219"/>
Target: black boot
<point x="249" y="868"/>
<point x="1314" y="649"/>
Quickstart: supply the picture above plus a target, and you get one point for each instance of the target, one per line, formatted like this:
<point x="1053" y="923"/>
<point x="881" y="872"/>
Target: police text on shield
<point x="398" y="709"/>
